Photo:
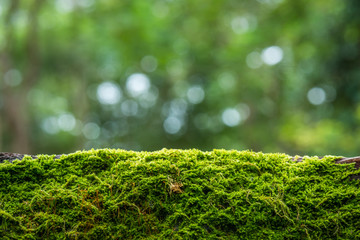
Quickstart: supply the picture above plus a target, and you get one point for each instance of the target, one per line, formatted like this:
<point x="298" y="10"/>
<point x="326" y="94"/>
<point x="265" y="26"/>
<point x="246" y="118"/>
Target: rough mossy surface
<point x="178" y="194"/>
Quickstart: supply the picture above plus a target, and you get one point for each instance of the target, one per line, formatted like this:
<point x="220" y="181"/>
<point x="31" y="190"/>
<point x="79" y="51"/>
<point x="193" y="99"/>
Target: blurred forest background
<point x="266" y="75"/>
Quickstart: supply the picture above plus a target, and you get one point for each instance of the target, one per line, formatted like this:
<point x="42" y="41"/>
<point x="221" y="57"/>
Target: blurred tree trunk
<point x="15" y="114"/>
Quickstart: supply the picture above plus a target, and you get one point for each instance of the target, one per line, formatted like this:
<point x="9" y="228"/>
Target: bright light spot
<point x="91" y="131"/>
<point x="172" y="125"/>
<point x="129" y="108"/>
<point x="240" y="25"/>
<point x="272" y="55"/>
<point x="149" y="63"/>
<point x="195" y="94"/>
<point x="65" y="6"/>
<point x="50" y="125"/>
<point x="13" y="77"/>
<point x="231" y="117"/>
<point x="253" y="60"/>
<point x="316" y="96"/>
<point x="108" y="93"/>
<point x="66" y="122"/>
<point x="137" y="84"/>
<point x="175" y="112"/>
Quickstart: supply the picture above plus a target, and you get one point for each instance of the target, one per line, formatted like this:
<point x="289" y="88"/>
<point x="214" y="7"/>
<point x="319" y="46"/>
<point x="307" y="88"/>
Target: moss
<point x="178" y="194"/>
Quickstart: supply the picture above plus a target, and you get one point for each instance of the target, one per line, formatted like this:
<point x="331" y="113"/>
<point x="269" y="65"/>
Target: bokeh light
<point x="231" y="117"/>
<point x="91" y="131"/>
<point x="316" y="96"/>
<point x="108" y="93"/>
<point x="66" y="122"/>
<point x="240" y="25"/>
<point x="195" y="94"/>
<point x="137" y="84"/>
<point x="50" y="125"/>
<point x="172" y="125"/>
<point x="272" y="55"/>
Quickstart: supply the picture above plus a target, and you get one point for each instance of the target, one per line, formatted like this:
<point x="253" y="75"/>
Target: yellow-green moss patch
<point x="178" y="194"/>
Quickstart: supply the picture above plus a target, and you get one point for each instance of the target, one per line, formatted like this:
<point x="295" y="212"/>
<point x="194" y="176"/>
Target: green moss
<point x="178" y="194"/>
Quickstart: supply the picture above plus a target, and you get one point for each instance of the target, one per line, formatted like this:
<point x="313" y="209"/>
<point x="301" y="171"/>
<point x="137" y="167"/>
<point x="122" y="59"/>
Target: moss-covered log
<point x="178" y="194"/>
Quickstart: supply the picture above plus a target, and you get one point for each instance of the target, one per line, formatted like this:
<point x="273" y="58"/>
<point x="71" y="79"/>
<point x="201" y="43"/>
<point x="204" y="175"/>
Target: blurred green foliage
<point x="270" y="75"/>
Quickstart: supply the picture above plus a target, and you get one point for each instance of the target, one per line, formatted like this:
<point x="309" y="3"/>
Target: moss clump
<point x="178" y="194"/>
